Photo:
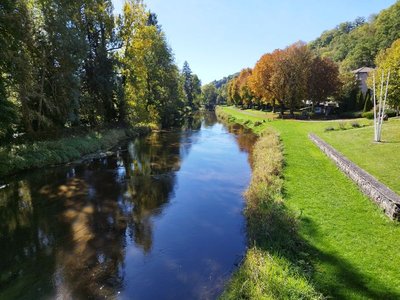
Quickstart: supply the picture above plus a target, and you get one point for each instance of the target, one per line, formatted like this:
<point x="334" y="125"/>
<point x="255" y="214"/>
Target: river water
<point x="161" y="219"/>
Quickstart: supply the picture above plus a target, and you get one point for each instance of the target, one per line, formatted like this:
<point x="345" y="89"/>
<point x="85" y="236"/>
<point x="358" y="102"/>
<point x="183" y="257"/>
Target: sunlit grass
<point x="353" y="246"/>
<point x="276" y="265"/>
<point x="379" y="159"/>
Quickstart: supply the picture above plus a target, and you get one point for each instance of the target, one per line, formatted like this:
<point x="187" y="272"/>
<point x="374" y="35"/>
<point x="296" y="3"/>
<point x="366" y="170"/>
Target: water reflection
<point x="141" y="224"/>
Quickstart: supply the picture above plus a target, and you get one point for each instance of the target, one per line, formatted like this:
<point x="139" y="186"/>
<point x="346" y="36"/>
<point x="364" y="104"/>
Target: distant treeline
<point x="73" y="63"/>
<point x="321" y="70"/>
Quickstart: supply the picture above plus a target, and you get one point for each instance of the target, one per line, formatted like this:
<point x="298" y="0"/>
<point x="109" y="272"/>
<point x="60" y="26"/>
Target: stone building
<point x="362" y="75"/>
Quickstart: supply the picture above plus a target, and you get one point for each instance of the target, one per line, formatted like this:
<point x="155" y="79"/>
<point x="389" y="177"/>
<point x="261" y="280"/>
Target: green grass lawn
<point x="355" y="247"/>
<point x="379" y="159"/>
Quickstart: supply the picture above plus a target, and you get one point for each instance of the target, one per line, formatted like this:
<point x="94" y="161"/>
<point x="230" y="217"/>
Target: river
<point x="160" y="219"/>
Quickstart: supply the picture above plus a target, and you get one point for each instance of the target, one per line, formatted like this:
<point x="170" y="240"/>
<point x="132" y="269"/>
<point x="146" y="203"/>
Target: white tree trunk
<point x="379" y="106"/>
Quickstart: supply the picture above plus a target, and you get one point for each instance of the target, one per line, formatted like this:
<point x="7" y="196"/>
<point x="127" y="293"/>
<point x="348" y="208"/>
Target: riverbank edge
<point x="275" y="265"/>
<point x="18" y="158"/>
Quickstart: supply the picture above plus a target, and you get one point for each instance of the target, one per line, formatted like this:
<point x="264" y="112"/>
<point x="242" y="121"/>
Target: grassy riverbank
<point x="276" y="265"/>
<point x="350" y="243"/>
<point x="15" y="158"/>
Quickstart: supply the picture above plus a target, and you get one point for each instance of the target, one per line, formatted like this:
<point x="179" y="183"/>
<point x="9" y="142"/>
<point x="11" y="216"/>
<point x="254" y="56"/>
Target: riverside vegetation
<point x="38" y="154"/>
<point x="326" y="221"/>
<point x="75" y="66"/>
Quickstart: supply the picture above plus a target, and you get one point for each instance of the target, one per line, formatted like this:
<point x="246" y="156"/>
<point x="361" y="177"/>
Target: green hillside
<point x="355" y="44"/>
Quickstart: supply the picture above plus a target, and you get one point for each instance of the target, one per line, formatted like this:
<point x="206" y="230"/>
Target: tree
<point x="233" y="92"/>
<point x="188" y="83"/>
<point x="192" y="87"/>
<point x="390" y="60"/>
<point x="210" y="95"/>
<point x="98" y="79"/>
<point x="152" y="87"/>
<point x="196" y="89"/>
<point x="245" y="93"/>
<point x="349" y="92"/>
<point x="323" y="80"/>
<point x="296" y="68"/>
<point x="288" y="82"/>
<point x="11" y="20"/>
<point x="260" y="81"/>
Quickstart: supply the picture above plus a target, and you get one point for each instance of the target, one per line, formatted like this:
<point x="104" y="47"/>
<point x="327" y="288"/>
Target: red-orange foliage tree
<point x="323" y="80"/>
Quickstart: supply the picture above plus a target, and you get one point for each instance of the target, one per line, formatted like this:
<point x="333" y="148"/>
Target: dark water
<point x="160" y="220"/>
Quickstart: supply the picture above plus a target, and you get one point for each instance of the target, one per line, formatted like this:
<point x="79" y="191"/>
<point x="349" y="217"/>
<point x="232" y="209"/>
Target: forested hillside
<point x="356" y="44"/>
<point x="74" y="63"/>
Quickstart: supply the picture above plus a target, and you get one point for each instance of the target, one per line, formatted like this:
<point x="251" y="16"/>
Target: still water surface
<point x="162" y="219"/>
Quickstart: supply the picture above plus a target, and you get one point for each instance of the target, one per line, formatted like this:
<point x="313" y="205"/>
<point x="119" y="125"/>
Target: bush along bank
<point x="16" y="158"/>
<point x="276" y="264"/>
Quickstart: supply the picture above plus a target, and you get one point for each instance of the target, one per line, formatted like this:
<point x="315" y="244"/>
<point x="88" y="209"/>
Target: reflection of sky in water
<point x="160" y="220"/>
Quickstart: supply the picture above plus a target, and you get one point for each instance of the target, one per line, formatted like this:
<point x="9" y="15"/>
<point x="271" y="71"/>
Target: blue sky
<point x="220" y="37"/>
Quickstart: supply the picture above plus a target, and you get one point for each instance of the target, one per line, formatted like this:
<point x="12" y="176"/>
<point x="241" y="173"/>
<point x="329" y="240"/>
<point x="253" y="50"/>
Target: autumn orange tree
<point x="239" y="92"/>
<point x="288" y="77"/>
<point x="323" y="79"/>
<point x="233" y="92"/>
<point x="260" y="80"/>
<point x="293" y="72"/>
<point x="245" y="93"/>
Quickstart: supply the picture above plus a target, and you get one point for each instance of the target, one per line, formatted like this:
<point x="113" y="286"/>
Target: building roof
<point x="363" y="70"/>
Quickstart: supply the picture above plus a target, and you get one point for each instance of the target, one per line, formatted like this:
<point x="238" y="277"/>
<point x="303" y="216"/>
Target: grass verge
<point x="351" y="244"/>
<point x="275" y="265"/>
<point x="15" y="158"/>
<point x="379" y="159"/>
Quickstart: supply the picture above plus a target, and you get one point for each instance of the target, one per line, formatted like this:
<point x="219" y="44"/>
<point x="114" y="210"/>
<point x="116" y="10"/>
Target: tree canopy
<point x="73" y="63"/>
<point x="356" y="44"/>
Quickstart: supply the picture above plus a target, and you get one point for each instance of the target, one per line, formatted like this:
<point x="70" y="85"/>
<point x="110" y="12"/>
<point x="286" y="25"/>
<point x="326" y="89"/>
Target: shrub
<point x="350" y="115"/>
<point x="342" y="125"/>
<point x="391" y="113"/>
<point x="368" y="115"/>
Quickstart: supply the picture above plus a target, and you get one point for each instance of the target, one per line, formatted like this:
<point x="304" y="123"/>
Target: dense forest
<point x="74" y="63"/>
<point x="355" y="44"/>
<point x="321" y="69"/>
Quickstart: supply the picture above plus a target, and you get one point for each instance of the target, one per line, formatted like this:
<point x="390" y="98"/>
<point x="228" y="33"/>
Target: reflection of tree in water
<point x="245" y="139"/>
<point x="193" y="122"/>
<point x="67" y="239"/>
<point x="28" y="239"/>
<point x="210" y="118"/>
<point x="150" y="168"/>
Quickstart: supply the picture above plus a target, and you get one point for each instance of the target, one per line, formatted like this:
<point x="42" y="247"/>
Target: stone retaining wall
<point x="388" y="200"/>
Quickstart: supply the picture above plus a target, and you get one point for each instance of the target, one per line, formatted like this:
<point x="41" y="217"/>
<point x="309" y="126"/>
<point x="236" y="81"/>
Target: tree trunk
<point x="41" y="93"/>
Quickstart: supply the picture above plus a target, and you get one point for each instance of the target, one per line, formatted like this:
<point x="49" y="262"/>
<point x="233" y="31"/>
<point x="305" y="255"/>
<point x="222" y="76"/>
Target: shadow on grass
<point x="278" y="236"/>
<point x="345" y="279"/>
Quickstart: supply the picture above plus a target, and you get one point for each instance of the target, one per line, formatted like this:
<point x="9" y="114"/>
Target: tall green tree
<point x="389" y="59"/>
<point x="152" y="86"/>
<point x="210" y="95"/>
<point x="188" y="83"/>
<point x="99" y="101"/>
